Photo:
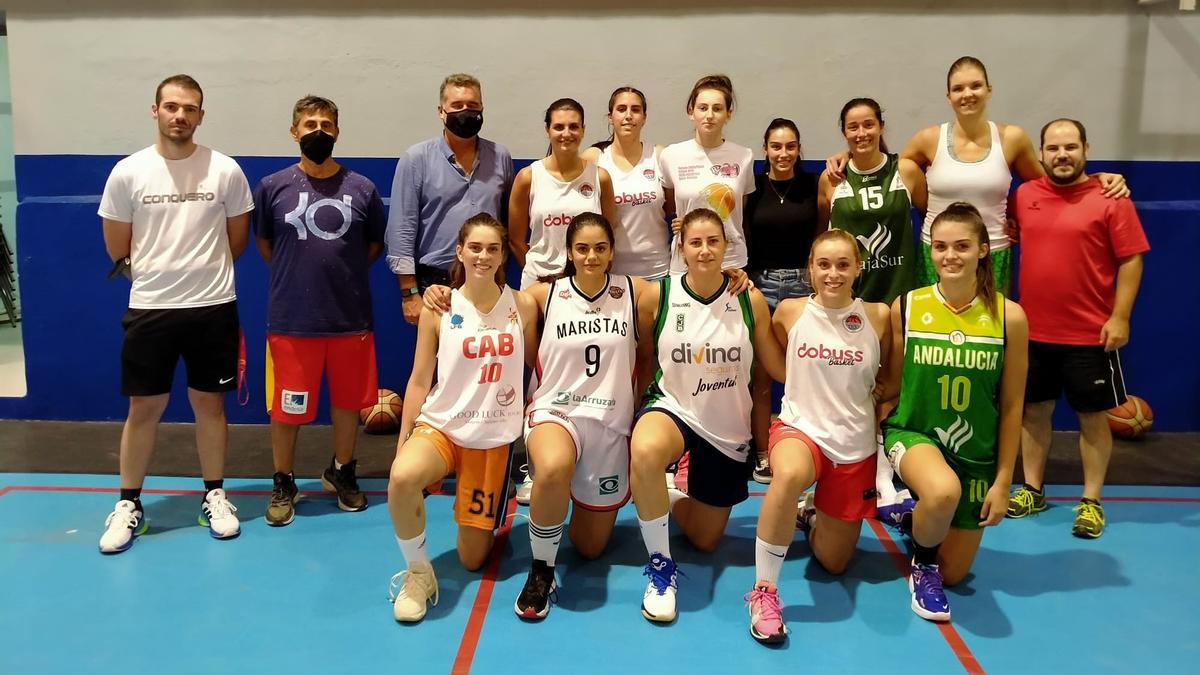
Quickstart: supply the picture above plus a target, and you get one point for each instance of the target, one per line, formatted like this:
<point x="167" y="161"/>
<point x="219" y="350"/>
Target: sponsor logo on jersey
<point x="513" y="317"/>
<point x="559" y="415"/>
<point x="956" y="436"/>
<point x="729" y="307"/>
<point x="983" y="320"/>
<point x="586" y="190"/>
<point x="615" y="292"/>
<point x="561" y="398"/>
<point x="293" y="402"/>
<point x="726" y="169"/>
<point x="561" y="220"/>
<point x="648" y="174"/>
<point x="568" y="398"/>
<point x="955" y="357"/>
<point x="877" y="242"/>
<point x="506" y="395"/>
<point x="635" y="199"/>
<point x="179" y="198"/>
<point x="835" y="357"/>
<point x="565" y="294"/>
<point x="456" y="321"/>
<point x="926" y="318"/>
<point x="677" y="305"/>
<point x="678" y="323"/>
<point x="705" y="354"/>
<point x="602" y="324"/>
<point x="957" y="338"/>
<point x="609" y="484"/>
<point x="480" y="414"/>
<point x="853" y="323"/>
<point x="482" y="346"/>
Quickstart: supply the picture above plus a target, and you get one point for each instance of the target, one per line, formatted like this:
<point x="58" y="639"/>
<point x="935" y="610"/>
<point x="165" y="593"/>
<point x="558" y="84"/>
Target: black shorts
<point x="713" y="477"/>
<point x="206" y="337"/>
<point x="1090" y="376"/>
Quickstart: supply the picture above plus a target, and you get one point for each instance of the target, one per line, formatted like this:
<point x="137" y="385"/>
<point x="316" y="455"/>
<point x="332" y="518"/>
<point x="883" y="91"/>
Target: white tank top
<point x="586" y="357"/>
<point x="832" y="359"/>
<point x="480" y="367"/>
<point x="552" y="206"/>
<point x="983" y="183"/>
<point x="704" y="352"/>
<point x="643" y="245"/>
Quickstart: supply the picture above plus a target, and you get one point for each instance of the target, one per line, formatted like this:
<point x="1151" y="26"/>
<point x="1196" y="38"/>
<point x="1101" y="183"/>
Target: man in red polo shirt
<point x="1081" y="263"/>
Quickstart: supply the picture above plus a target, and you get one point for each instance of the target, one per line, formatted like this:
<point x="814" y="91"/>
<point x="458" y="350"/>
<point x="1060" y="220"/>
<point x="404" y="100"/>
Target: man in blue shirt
<point x="440" y="183"/>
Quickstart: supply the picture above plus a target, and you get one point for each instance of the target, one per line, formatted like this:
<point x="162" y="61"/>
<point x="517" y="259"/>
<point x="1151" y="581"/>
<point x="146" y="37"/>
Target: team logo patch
<point x="562" y="398"/>
<point x="506" y="395"/>
<point x="853" y="323"/>
<point x="678" y="323"/>
<point x="649" y="174"/>
<point x="564" y="294"/>
<point x="586" y="190"/>
<point x="456" y="321"/>
<point x="727" y="170"/>
<point x="729" y="307"/>
<point x="957" y="338"/>
<point x="513" y="317"/>
<point x="293" y="402"/>
<point x="609" y="484"/>
<point x="983" y="320"/>
<point x="926" y="318"/>
<point x="615" y="292"/>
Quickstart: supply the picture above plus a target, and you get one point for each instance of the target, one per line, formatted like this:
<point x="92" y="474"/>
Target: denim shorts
<point x="779" y="285"/>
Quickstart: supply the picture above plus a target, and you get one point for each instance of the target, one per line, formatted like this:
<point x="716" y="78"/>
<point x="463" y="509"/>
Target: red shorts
<point x="844" y="491"/>
<point x="295" y="365"/>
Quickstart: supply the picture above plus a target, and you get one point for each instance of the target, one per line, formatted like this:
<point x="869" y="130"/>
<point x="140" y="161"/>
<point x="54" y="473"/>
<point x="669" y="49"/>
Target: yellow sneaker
<point x="1089" y="520"/>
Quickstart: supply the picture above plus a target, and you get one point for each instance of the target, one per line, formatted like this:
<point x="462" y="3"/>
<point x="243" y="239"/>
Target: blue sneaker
<point x="928" y="597"/>
<point x="658" y="602"/>
<point x="897" y="516"/>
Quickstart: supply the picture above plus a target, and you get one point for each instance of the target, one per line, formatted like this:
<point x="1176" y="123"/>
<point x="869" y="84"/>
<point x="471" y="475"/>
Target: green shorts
<point x="975" y="478"/>
<point x="1001" y="269"/>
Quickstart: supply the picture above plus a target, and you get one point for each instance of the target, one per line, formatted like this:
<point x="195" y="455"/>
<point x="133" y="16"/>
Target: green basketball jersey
<point x="951" y="383"/>
<point x="875" y="208"/>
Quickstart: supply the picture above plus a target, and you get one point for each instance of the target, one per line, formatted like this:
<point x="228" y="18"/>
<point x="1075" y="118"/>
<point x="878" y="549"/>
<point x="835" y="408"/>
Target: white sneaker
<point x="525" y="489"/>
<point x="410" y="591"/>
<point x="216" y="513"/>
<point x="658" y="602"/>
<point x="121" y="527"/>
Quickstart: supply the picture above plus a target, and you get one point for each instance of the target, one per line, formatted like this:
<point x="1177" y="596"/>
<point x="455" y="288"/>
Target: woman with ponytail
<point x="953" y="437"/>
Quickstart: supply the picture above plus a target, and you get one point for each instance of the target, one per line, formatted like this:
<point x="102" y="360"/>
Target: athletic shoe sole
<point x="141" y="529"/>
<point x="762" y="639"/>
<point x="1032" y="512"/>
<point x="657" y="619"/>
<point x="1085" y="534"/>
<point x="341" y="505"/>
<point x="529" y="614"/>
<point x="921" y="611"/>
<point x="292" y="517"/>
<point x="213" y="533"/>
<point x="762" y="479"/>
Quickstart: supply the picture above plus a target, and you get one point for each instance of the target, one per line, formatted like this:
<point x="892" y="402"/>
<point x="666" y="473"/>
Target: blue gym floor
<point x="312" y="597"/>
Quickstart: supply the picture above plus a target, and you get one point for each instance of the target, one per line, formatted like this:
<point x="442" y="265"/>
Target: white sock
<point x="673" y="497"/>
<point x="883" y="480"/>
<point x="768" y="561"/>
<point x="414" y="550"/>
<point x="337" y="466"/>
<point x="655" y="535"/>
<point x="544" y="541"/>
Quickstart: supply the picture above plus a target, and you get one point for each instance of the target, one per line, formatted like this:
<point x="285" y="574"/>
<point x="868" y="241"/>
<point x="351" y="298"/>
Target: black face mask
<point x="317" y="146"/>
<point x="464" y="123"/>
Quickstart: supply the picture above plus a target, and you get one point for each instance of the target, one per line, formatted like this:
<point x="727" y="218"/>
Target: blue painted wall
<point x="72" y="314"/>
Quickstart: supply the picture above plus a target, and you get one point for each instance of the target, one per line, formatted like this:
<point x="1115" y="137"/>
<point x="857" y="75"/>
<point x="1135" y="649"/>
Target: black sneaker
<point x="344" y="483"/>
<point x="539" y="593"/>
<point x="284" y="495"/>
<point x="762" y="470"/>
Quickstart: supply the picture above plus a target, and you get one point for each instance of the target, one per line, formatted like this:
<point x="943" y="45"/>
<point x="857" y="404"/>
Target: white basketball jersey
<point x="704" y="352"/>
<point x="643" y="240"/>
<point x="480" y="367"/>
<point x="832" y="359"/>
<point x="553" y="204"/>
<point x="586" y="358"/>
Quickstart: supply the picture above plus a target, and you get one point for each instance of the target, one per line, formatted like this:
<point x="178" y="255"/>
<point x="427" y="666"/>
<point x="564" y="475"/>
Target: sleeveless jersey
<point x="951" y="382"/>
<point x="553" y="204"/>
<point x="586" y="357"/>
<point x="704" y="352"/>
<point x="643" y="240"/>
<point x="874" y="207"/>
<point x="983" y="183"/>
<point x="832" y="359"/>
<point x="480" y="367"/>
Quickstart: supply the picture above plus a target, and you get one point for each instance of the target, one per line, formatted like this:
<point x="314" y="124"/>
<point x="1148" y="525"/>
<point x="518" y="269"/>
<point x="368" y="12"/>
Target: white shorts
<point x="601" y="480"/>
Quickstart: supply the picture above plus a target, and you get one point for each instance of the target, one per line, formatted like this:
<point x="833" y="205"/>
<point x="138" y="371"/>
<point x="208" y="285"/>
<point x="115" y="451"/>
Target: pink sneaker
<point x="766" y="614"/>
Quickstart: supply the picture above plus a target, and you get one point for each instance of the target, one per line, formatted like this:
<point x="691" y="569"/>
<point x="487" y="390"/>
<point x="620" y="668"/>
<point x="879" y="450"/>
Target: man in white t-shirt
<point x="176" y="215"/>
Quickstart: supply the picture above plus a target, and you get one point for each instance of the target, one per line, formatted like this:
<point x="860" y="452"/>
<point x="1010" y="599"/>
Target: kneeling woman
<point x="704" y="343"/>
<point x="836" y="344"/>
<point x="953" y="437"/>
<point x="467" y="422"/>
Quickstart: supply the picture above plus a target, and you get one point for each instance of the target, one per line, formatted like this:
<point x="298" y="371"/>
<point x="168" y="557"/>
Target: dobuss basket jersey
<point x="952" y="367"/>
<point x="704" y="353"/>
<point x="553" y="204"/>
<point x="586" y="357"/>
<point x="480" y="367"/>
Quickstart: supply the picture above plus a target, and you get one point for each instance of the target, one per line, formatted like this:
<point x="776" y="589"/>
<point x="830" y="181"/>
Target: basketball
<point x="720" y="198"/>
<point x="384" y="417"/>
<point x="1132" y="419"/>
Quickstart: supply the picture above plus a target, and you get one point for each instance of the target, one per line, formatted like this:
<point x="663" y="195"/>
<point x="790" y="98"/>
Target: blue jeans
<point x="779" y="285"/>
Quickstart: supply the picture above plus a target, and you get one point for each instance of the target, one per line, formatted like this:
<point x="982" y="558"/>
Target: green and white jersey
<point x="704" y="352"/>
<point x="951" y="383"/>
<point x="874" y="207"/>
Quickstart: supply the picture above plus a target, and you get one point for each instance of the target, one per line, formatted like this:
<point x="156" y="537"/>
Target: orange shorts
<point x="844" y="491"/>
<point x="481" y="479"/>
<point x="295" y="365"/>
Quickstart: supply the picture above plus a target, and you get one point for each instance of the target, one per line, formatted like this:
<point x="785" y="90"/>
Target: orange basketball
<point x="720" y="198"/>
<point x="383" y="417"/>
<point x="1132" y="419"/>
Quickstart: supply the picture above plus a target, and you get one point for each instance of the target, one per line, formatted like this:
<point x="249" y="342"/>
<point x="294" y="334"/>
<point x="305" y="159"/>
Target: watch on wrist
<point x="410" y="291"/>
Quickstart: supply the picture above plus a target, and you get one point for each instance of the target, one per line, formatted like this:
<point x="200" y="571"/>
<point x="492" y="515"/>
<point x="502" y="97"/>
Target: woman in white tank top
<point x="643" y="242"/>
<point x="547" y="194"/>
<point x="826" y="431"/>
<point x="466" y="423"/>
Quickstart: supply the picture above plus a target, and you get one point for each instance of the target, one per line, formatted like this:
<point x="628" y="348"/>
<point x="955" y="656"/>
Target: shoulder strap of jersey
<point x="664" y="293"/>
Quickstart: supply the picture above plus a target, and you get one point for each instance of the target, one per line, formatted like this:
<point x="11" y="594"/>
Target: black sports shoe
<point x="344" y="483"/>
<point x="539" y="593"/>
<point x="284" y="495"/>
